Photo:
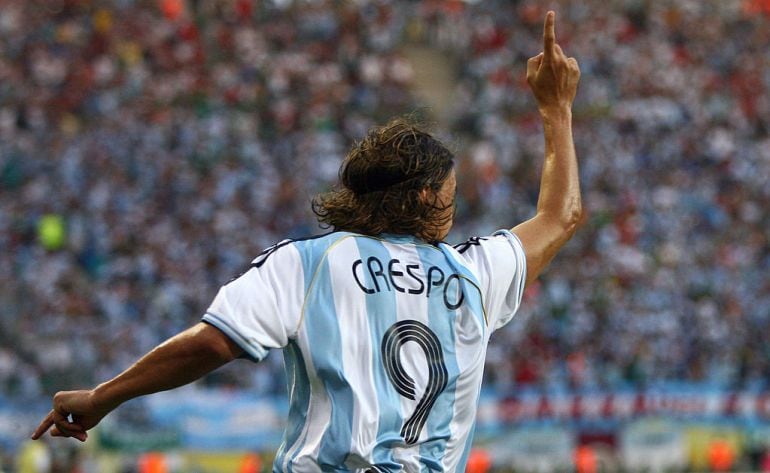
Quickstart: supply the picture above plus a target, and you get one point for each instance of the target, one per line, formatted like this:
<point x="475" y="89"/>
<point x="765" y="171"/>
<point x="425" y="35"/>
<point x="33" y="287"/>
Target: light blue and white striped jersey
<point x="384" y="340"/>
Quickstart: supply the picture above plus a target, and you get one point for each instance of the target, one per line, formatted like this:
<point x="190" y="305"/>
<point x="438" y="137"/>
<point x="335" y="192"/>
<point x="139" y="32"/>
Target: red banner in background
<point x="752" y="7"/>
<point x="601" y="406"/>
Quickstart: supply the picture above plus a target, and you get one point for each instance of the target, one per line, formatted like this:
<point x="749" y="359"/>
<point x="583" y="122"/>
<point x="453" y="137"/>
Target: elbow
<point x="577" y="218"/>
<point x="572" y="217"/>
<point x="560" y="221"/>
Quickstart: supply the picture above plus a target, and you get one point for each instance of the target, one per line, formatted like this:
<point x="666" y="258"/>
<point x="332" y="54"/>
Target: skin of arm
<point x="176" y="362"/>
<point x="553" y="78"/>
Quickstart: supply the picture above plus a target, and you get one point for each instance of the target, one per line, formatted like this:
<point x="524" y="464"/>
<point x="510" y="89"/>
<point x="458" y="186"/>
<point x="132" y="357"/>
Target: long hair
<point x="382" y="180"/>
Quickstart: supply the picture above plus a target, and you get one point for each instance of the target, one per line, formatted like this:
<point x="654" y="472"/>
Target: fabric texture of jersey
<point x="384" y="341"/>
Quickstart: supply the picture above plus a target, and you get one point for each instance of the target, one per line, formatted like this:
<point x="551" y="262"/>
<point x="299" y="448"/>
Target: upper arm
<point x="542" y="237"/>
<point x="216" y="342"/>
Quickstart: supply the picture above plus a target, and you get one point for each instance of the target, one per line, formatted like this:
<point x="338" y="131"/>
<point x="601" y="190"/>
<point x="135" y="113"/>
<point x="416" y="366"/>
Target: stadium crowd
<point x="667" y="280"/>
<point x="149" y="150"/>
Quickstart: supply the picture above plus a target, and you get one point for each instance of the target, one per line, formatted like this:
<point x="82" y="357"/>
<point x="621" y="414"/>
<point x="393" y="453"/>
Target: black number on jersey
<point x="472" y="241"/>
<point x="397" y="335"/>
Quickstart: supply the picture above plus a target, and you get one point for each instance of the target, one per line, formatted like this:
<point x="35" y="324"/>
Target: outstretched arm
<point x="553" y="78"/>
<point x="178" y="361"/>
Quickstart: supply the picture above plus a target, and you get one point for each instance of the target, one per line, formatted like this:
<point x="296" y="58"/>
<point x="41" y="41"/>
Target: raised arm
<point x="178" y="361"/>
<point x="553" y="78"/>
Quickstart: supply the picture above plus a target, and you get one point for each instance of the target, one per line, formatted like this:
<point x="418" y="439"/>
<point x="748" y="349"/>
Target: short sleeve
<point x="260" y="309"/>
<point x="501" y="266"/>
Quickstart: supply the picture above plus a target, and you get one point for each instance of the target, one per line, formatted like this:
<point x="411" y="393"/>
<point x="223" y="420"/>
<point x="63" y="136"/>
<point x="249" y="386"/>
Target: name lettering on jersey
<point x="407" y="278"/>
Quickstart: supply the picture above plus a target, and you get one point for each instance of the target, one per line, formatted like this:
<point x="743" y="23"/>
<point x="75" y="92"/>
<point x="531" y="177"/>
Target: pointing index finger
<point x="43" y="427"/>
<point x="549" y="35"/>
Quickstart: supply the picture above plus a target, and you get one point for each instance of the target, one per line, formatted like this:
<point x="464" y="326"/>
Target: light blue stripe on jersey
<point x="311" y="251"/>
<point x="294" y="362"/>
<point x="381" y="312"/>
<point x="441" y="320"/>
<point x="326" y="350"/>
<point x="471" y="286"/>
<point x="299" y="399"/>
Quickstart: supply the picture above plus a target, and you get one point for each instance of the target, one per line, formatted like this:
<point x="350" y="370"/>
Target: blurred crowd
<point x="667" y="280"/>
<point x="150" y="149"/>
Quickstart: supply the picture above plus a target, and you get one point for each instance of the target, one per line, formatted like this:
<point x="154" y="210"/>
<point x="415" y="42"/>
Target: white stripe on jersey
<point x="386" y="340"/>
<point x="356" y="358"/>
<point x="409" y="307"/>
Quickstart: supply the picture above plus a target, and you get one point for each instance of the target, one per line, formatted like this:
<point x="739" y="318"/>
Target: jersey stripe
<point x="473" y="324"/>
<point x="312" y="252"/>
<point x="356" y="355"/>
<point x="328" y="357"/>
<point x="438" y="425"/>
<point x="409" y="306"/>
<point x="303" y="457"/>
<point x="468" y="444"/>
<point x="381" y="312"/>
<point x="299" y="398"/>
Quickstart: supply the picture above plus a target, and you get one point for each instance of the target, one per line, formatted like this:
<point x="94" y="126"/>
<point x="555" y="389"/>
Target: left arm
<point x="553" y="78"/>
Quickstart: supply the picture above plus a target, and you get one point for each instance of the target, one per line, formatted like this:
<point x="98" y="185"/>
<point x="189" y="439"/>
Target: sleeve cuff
<point x="254" y="351"/>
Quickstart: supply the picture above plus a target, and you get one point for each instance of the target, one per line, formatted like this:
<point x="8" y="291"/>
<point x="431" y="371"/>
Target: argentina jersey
<point x="384" y="340"/>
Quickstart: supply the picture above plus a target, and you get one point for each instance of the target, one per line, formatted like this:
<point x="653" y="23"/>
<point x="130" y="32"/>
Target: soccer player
<point x="383" y="326"/>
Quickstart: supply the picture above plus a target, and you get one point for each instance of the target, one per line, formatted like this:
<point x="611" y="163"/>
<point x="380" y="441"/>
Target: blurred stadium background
<point x="149" y="149"/>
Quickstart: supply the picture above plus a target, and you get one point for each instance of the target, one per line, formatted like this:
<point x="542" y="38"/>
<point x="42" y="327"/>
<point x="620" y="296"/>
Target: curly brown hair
<point x="381" y="184"/>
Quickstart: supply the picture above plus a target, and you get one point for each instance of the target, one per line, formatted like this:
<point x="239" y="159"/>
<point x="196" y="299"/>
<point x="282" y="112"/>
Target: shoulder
<point x="487" y="255"/>
<point x="474" y="241"/>
<point x="498" y="241"/>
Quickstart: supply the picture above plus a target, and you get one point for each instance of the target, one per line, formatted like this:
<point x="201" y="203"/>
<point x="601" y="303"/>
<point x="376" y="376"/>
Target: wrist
<point x="556" y="114"/>
<point x="103" y="398"/>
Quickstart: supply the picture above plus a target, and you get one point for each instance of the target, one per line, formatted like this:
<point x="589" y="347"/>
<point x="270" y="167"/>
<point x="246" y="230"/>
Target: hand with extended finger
<point x="83" y="409"/>
<point x="552" y="76"/>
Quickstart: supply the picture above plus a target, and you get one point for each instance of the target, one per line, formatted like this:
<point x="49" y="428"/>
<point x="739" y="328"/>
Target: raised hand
<point x="552" y="76"/>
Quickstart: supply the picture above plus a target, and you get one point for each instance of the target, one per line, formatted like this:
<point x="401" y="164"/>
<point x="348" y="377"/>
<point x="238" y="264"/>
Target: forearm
<point x="559" y="207"/>
<point x="178" y="361"/>
<point x="559" y="198"/>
